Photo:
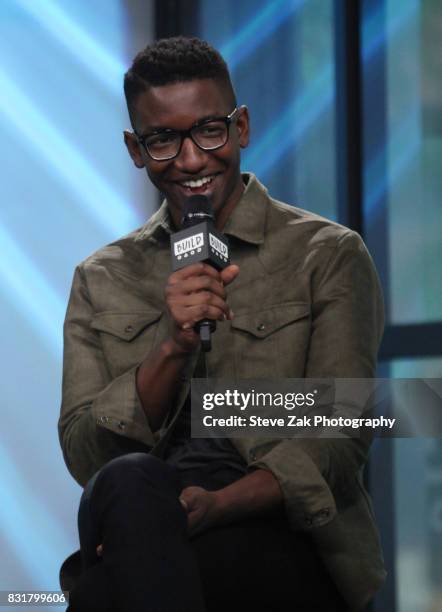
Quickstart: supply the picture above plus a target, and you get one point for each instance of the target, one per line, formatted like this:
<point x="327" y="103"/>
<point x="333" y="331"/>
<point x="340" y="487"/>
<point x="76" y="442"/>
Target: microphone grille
<point x="196" y="209"/>
<point x="198" y="204"/>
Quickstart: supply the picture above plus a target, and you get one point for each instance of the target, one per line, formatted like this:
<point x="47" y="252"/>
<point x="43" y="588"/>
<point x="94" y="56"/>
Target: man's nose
<point x="191" y="158"/>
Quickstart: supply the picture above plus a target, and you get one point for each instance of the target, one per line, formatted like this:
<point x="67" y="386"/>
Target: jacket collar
<point x="247" y="221"/>
<point x="159" y="225"/>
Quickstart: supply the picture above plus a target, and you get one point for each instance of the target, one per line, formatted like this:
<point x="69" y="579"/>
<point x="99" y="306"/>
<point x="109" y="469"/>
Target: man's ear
<point x="243" y="126"/>
<point x="133" y="148"/>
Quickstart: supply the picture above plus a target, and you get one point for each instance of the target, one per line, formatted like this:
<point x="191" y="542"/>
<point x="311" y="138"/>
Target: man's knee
<point x="134" y="487"/>
<point x="136" y="469"/>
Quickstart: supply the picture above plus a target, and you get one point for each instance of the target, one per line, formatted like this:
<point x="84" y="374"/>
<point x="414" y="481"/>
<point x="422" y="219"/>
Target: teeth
<point x="199" y="182"/>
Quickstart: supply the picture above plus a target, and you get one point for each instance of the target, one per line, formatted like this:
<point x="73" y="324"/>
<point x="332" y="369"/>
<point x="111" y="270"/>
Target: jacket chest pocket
<point x="272" y="342"/>
<point x="126" y="338"/>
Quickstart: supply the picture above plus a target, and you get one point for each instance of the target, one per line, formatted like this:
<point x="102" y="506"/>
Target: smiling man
<point x="169" y="523"/>
<point x="205" y="111"/>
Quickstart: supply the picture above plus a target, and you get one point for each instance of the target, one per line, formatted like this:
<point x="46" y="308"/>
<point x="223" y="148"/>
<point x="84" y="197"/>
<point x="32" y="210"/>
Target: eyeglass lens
<point x="210" y="135"/>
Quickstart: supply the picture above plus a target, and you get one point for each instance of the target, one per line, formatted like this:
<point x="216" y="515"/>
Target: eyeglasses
<point x="208" y="135"/>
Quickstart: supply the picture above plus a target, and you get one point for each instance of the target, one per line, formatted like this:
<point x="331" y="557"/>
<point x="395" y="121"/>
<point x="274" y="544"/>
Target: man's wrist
<point x="257" y="493"/>
<point x="219" y="512"/>
<point x="170" y="348"/>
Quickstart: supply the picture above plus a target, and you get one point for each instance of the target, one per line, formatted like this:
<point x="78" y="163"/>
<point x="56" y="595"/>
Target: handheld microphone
<point x="198" y="240"/>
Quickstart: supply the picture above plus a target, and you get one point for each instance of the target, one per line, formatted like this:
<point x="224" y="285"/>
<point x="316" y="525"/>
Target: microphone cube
<point x="201" y="242"/>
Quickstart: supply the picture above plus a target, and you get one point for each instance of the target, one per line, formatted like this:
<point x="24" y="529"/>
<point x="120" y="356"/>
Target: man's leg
<point x="256" y="564"/>
<point x="259" y="564"/>
<point x="147" y="559"/>
<point x="92" y="592"/>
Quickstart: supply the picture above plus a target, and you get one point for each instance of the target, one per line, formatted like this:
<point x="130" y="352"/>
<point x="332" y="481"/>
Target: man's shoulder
<point x="306" y="228"/>
<point x="281" y="224"/>
<point x="123" y="253"/>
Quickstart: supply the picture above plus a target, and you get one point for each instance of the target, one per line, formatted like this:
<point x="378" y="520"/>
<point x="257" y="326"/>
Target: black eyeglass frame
<point x="228" y="120"/>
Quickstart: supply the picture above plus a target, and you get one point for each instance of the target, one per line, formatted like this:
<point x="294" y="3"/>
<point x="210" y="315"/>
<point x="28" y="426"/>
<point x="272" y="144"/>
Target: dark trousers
<point x="149" y="564"/>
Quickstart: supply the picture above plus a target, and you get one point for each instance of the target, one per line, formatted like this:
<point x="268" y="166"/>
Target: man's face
<point x="179" y="106"/>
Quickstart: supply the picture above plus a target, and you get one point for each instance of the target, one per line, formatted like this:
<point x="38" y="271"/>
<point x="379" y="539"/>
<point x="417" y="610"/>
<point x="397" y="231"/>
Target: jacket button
<point x="128" y="329"/>
<point x="261" y="327"/>
<point x="121" y="425"/>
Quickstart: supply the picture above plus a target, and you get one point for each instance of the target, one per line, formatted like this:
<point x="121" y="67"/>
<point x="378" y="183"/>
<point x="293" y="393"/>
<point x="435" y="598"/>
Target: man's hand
<point x="201" y="507"/>
<point x="255" y="494"/>
<point x="195" y="293"/>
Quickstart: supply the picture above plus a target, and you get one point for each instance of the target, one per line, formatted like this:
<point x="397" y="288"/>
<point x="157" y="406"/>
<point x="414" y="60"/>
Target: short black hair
<point x="174" y="60"/>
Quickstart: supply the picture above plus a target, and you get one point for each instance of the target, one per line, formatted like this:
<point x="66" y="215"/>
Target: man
<point x="172" y="523"/>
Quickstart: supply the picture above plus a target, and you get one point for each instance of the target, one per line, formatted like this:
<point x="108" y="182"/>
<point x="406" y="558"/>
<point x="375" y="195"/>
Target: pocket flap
<point x="124" y="325"/>
<point x="264" y="322"/>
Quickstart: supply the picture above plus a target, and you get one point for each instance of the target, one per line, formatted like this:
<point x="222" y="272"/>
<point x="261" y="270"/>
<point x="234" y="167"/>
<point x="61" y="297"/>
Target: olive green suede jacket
<point x="307" y="303"/>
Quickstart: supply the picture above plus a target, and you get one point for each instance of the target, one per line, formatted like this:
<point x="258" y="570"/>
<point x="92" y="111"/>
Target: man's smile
<point x="199" y="182"/>
<point x="198" y="185"/>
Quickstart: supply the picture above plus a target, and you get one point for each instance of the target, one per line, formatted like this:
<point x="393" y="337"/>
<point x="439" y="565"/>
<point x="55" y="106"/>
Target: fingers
<point x="199" y="504"/>
<point x="196" y="283"/>
<point x="191" y="308"/>
<point x="206" y="298"/>
<point x="226" y="276"/>
<point x="229" y="274"/>
<point x="188" y="316"/>
<point x="197" y="269"/>
<point x="191" y="495"/>
<point x="198" y="292"/>
<point x="204" y="277"/>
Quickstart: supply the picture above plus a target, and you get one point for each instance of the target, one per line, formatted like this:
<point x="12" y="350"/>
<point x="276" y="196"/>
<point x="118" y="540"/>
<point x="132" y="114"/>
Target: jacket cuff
<point x="118" y="408"/>
<point x="308" y="500"/>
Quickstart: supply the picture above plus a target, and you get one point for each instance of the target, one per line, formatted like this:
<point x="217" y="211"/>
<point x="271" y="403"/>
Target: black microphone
<point x="198" y="240"/>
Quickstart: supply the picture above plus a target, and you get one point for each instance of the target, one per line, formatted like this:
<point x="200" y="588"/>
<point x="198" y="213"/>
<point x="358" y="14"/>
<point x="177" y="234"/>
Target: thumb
<point x="184" y="504"/>
<point x="229" y="274"/>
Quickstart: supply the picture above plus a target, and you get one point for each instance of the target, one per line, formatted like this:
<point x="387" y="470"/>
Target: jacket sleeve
<point x="100" y="418"/>
<point x="347" y="326"/>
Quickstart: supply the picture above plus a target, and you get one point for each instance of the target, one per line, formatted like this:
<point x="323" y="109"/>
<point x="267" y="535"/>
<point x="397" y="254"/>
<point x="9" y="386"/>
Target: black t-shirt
<point x="187" y="453"/>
